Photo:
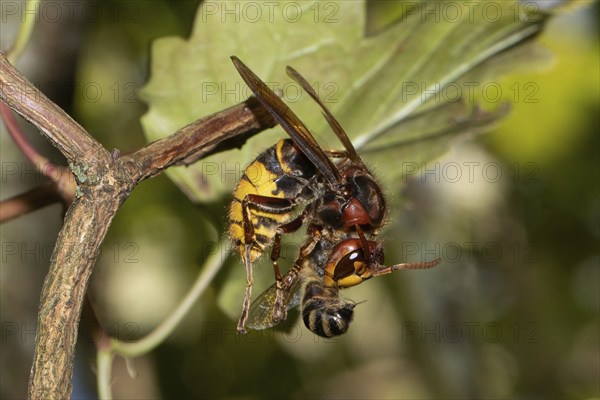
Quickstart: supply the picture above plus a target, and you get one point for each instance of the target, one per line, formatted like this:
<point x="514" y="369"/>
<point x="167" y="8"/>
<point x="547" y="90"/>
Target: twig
<point x="74" y="256"/>
<point x="64" y="133"/>
<point x="199" y="138"/>
<point x="16" y="133"/>
<point x="38" y="197"/>
<point x="105" y="181"/>
<point x="62" y="186"/>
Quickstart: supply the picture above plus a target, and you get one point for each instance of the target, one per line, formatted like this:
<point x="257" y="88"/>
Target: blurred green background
<point x="511" y="313"/>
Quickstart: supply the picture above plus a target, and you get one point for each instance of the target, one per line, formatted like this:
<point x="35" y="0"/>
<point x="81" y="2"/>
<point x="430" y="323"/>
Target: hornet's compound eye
<point x="349" y="270"/>
<point x="369" y="196"/>
<point x="347" y="265"/>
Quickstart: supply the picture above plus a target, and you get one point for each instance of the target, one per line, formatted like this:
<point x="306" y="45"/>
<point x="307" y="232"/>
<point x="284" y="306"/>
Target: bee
<point x="321" y="270"/>
<point x="342" y="202"/>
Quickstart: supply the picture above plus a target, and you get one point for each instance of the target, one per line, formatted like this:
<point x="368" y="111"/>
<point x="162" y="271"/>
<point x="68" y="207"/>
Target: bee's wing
<point x="260" y="315"/>
<point x="289" y="122"/>
<point x="333" y="123"/>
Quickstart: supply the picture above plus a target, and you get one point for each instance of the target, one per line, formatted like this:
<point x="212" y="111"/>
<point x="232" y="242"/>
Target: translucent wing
<point x="260" y="315"/>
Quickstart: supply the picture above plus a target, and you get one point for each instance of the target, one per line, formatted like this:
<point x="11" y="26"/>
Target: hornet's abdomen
<point x="280" y="173"/>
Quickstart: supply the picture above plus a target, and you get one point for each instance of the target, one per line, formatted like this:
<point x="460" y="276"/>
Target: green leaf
<point x="194" y="78"/>
<point x="433" y="53"/>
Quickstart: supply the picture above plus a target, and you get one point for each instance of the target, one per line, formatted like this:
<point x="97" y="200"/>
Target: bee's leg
<point x="264" y="203"/>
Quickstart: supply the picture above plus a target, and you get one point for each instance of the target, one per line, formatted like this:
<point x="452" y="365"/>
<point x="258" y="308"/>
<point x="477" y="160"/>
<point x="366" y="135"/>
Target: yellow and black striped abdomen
<point x="281" y="172"/>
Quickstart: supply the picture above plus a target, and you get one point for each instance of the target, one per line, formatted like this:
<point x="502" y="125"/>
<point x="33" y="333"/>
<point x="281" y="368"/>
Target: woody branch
<point x="105" y="181"/>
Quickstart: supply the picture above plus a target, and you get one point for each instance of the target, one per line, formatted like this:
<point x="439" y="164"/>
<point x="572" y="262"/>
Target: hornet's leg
<point x="280" y="311"/>
<point x="266" y="204"/>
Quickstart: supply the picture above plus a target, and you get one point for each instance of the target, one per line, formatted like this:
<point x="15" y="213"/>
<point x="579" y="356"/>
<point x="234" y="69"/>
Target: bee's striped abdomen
<point x="322" y="310"/>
